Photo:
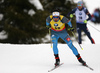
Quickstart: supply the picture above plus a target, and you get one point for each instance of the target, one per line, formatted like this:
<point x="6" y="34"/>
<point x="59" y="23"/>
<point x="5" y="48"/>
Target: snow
<point x="39" y="58"/>
<point x="94" y="33"/>
<point x="3" y="35"/>
<point x="37" y="4"/>
<point x="1" y="17"/>
<point x="92" y="4"/>
<point x="31" y="12"/>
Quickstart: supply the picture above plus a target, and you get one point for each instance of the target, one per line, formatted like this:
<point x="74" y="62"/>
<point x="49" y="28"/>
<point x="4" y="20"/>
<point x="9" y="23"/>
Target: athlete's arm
<point x="73" y="11"/>
<point x="66" y="20"/>
<point x="48" y="21"/>
<point x="89" y="15"/>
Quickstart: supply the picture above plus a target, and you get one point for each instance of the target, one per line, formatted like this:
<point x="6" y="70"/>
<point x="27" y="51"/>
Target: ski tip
<point x="92" y="69"/>
<point x="55" y="67"/>
<point x="89" y="67"/>
<point x="82" y="48"/>
<point x="48" y="71"/>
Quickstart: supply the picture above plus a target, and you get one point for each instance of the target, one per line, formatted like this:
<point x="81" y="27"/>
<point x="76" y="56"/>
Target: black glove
<point x="71" y="29"/>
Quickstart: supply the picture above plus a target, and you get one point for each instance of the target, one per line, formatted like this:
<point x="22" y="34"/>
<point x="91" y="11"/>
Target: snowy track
<point x="39" y="58"/>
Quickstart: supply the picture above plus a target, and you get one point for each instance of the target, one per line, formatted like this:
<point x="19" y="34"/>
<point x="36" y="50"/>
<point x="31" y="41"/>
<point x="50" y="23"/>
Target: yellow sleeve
<point x="51" y="16"/>
<point x="61" y="17"/>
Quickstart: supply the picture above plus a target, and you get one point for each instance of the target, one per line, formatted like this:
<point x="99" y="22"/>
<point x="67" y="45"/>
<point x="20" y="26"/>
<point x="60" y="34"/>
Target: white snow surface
<point x="39" y="58"/>
<point x="93" y="29"/>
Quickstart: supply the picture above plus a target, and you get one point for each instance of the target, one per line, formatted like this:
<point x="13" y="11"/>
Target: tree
<point x="18" y="24"/>
<point x="23" y="28"/>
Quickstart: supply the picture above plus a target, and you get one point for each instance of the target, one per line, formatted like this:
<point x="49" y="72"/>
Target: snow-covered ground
<point x="39" y="59"/>
<point x="94" y="33"/>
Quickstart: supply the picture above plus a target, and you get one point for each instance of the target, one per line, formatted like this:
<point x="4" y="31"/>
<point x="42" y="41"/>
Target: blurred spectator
<point x="96" y="16"/>
<point x="93" y="18"/>
<point x="96" y="13"/>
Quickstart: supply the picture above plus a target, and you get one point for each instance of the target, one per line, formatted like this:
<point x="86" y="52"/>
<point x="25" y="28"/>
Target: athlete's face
<point x="55" y="18"/>
<point x="80" y="7"/>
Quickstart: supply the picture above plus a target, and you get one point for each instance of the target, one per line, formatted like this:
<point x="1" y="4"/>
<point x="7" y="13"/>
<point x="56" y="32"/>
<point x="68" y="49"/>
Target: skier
<point x="81" y="21"/>
<point x="56" y="23"/>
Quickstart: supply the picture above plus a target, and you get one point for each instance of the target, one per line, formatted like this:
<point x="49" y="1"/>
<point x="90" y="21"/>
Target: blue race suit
<point x="56" y="34"/>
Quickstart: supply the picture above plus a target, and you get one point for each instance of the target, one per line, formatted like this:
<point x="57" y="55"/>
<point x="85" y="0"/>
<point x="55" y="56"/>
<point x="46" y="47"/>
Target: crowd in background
<point x="96" y="16"/>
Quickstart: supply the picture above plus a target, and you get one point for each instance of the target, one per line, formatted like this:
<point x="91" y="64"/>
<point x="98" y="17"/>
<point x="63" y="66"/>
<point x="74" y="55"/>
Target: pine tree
<point x="23" y="28"/>
<point x="19" y="25"/>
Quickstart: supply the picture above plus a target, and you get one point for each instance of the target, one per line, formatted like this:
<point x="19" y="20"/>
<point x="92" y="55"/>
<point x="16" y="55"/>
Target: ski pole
<point x="75" y="36"/>
<point x="77" y="41"/>
<point x="50" y="37"/>
<point x="94" y="27"/>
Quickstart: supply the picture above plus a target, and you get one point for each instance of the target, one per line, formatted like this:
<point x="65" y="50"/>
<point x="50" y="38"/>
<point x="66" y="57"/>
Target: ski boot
<point x="57" y="60"/>
<point x="92" y="41"/>
<point x="80" y="42"/>
<point x="81" y="60"/>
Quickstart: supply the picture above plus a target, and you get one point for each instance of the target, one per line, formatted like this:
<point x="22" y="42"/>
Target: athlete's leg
<point x="74" y="50"/>
<point x="55" y="42"/>
<point x="85" y="29"/>
<point x="55" y="49"/>
<point x="79" y="36"/>
<point x="64" y="35"/>
<point x="71" y="46"/>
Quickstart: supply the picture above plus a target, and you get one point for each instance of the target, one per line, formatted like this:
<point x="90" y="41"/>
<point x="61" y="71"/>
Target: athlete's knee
<point x="67" y="39"/>
<point x="78" y="29"/>
<point x="71" y="46"/>
<point x="54" y="40"/>
<point x="55" y="49"/>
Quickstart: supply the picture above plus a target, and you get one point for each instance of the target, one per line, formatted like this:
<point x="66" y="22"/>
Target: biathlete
<point x="81" y="21"/>
<point x="56" y="23"/>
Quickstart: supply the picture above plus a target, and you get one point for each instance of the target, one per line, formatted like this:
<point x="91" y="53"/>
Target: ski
<point x="55" y="67"/>
<point x="89" y="67"/>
